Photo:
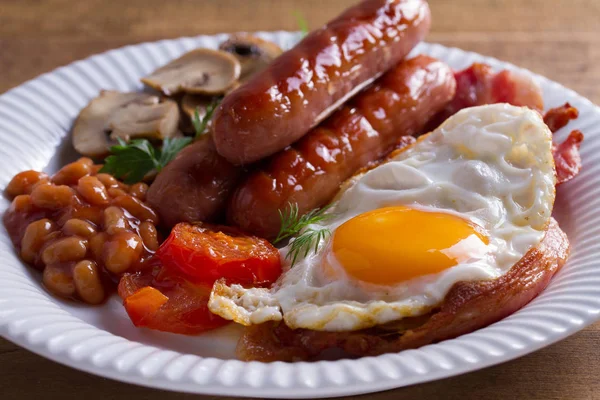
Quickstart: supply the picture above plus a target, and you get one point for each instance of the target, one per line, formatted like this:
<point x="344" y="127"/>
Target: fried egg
<point x="464" y="203"/>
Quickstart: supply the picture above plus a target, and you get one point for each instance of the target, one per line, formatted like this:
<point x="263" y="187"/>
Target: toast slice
<point x="468" y="306"/>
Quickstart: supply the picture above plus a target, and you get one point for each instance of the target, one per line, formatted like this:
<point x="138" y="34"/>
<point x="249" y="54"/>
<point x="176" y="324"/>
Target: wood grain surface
<point x="556" y="38"/>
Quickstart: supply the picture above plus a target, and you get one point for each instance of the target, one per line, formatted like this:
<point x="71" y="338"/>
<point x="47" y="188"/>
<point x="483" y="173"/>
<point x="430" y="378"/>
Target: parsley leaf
<point x="170" y="148"/>
<point x="131" y="161"/>
<point x="200" y="124"/>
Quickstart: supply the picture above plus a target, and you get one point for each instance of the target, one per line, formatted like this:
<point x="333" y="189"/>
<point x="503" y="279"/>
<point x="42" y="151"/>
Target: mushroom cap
<point x="201" y="71"/>
<point x="114" y="115"/>
<point x="253" y="53"/>
<point x="151" y="121"/>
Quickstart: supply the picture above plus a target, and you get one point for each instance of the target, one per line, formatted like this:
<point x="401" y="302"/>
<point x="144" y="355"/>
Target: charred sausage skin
<point x="368" y="127"/>
<point x="306" y="84"/>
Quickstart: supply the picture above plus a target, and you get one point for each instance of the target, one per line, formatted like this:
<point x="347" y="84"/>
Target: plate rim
<point x="220" y="387"/>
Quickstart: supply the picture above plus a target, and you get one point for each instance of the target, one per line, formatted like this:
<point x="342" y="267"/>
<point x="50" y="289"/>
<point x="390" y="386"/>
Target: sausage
<point x="306" y="84"/>
<point x="194" y="186"/>
<point x="368" y="127"/>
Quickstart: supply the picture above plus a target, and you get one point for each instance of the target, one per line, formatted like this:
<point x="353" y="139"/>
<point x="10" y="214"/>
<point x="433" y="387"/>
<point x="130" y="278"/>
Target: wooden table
<point x="557" y="38"/>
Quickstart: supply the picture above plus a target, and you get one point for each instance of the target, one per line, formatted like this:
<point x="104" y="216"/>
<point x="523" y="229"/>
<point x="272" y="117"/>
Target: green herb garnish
<point x="200" y="124"/>
<point x="292" y="223"/>
<point x="305" y="243"/>
<point x="131" y="161"/>
<point x="302" y="24"/>
<point x="170" y="148"/>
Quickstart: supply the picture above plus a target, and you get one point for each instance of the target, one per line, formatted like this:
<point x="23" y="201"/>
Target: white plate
<point x="34" y="122"/>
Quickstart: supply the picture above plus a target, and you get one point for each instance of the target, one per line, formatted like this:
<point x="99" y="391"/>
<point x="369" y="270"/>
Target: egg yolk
<point x="395" y="244"/>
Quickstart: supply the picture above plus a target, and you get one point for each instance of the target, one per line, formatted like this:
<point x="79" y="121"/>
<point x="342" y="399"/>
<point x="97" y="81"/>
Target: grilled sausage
<point x="306" y="84"/>
<point x="194" y="186"/>
<point x="365" y="129"/>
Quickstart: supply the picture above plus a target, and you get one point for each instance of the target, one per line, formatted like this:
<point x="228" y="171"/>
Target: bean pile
<point x="82" y="228"/>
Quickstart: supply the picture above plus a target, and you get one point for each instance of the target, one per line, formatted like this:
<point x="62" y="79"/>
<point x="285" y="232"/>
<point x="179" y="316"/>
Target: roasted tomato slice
<point x="142" y="305"/>
<point x="164" y="301"/>
<point x="205" y="253"/>
<point x="172" y="294"/>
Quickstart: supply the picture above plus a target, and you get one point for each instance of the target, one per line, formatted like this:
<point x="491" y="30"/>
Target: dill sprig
<point x="305" y="243"/>
<point x="302" y="24"/>
<point x="292" y="223"/>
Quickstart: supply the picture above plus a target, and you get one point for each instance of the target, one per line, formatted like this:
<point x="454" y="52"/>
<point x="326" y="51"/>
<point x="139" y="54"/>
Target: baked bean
<point x="86" y="160"/>
<point x="93" y="191"/>
<point x="34" y="238"/>
<point x="58" y="281"/>
<point x="116" y="192"/>
<point x="24" y="181"/>
<point x="139" y="190"/>
<point x="96" y="169"/>
<point x="108" y="181"/>
<point x="149" y="235"/>
<point x="115" y="220"/>
<point x="78" y="227"/>
<point x="70" y="173"/>
<point x="95" y="215"/>
<point x="42" y="182"/>
<point x="52" y="197"/>
<point x="52" y="236"/>
<point x="22" y="203"/>
<point x="66" y="249"/>
<point x="136" y="208"/>
<point x="96" y="244"/>
<point x="122" y="251"/>
<point x="87" y="282"/>
<point x="120" y="185"/>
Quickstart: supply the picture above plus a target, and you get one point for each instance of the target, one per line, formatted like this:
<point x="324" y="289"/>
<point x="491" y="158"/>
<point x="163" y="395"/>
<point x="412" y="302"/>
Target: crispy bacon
<point x="567" y="158"/>
<point x="558" y="117"/>
<point x="479" y="85"/>
<point x="566" y="154"/>
<point x="516" y="89"/>
<point x="467" y="307"/>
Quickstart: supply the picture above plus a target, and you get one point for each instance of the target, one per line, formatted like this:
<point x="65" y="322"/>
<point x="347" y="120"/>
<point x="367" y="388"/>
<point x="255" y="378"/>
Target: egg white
<point x="491" y="165"/>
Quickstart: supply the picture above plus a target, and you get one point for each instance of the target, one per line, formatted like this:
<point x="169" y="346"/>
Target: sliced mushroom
<point x="201" y="71"/>
<point x="152" y="121"/>
<point x="126" y="115"/>
<point x="253" y="53"/>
